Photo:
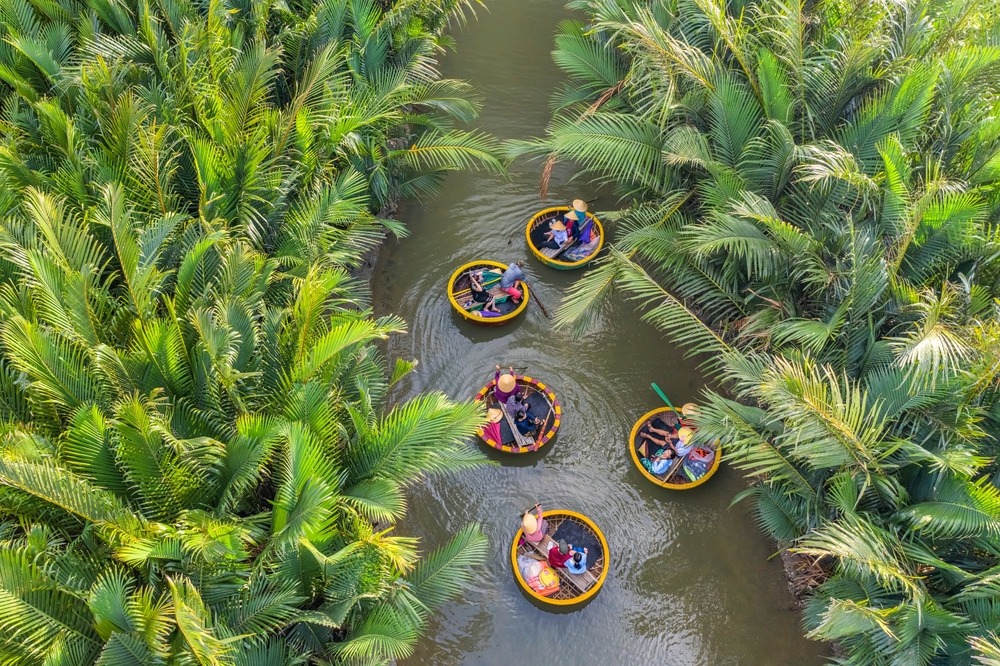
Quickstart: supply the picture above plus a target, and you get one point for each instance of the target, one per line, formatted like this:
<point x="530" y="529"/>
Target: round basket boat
<point x="677" y="477"/>
<point x="460" y="293"/>
<point x="572" y="589"/>
<point x="572" y="254"/>
<point x="543" y="404"/>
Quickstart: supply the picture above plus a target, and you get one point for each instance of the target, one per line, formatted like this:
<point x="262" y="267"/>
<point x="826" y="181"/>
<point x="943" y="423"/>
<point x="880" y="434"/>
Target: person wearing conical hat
<point x="556" y="236"/>
<point x="506" y="385"/>
<point x="587" y="233"/>
<point x="534" y="526"/>
<point x="688" y="411"/>
<point x="491" y="431"/>
<point x="575" y="216"/>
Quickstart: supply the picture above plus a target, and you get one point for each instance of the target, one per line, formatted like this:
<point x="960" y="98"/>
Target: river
<point x="692" y="580"/>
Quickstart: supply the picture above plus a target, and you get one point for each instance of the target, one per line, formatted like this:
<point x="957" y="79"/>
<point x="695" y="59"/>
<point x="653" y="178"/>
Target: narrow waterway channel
<point x="691" y="582"/>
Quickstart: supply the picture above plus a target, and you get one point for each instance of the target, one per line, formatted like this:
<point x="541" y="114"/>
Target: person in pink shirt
<point x="534" y="526"/>
<point x="491" y="430"/>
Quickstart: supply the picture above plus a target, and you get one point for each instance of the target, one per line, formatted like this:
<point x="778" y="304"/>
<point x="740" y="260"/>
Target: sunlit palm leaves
<point x="197" y="460"/>
<point x="811" y="199"/>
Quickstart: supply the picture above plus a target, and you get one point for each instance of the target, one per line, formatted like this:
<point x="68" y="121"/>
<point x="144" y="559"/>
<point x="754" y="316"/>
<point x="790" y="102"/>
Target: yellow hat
<point x="493" y="415"/>
<point x="684" y="434"/>
<point x="579" y="205"/>
<point x="506" y="383"/>
<point x="558" y="226"/>
<point x="529" y="524"/>
<point x="689" y="409"/>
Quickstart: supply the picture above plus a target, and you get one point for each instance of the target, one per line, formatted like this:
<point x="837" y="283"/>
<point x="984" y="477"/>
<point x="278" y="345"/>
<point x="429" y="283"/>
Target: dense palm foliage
<point x="197" y="464"/>
<point x="812" y="202"/>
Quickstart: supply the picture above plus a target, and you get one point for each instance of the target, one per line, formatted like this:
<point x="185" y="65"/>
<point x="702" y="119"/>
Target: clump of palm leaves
<point x="197" y="463"/>
<point x="812" y="202"/>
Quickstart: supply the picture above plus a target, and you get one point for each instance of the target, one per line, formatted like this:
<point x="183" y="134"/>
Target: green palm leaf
<point x="444" y="573"/>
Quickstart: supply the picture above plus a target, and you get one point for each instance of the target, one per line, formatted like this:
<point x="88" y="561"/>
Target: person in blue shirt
<point x="510" y="278"/>
<point x="578" y="563"/>
<point x="526" y="424"/>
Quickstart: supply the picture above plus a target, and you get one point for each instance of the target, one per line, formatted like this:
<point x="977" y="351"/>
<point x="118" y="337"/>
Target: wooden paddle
<point x="539" y="302"/>
<point x="664" y="397"/>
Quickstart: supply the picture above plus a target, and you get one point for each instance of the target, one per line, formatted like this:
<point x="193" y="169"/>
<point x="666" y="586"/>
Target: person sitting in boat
<point x="482" y="295"/>
<point x="526" y="424"/>
<point x="585" y="223"/>
<point x="578" y="563"/>
<point x="510" y="278"/>
<point x="664" y="439"/>
<point x="491" y="431"/>
<point x="560" y="553"/>
<point x="684" y="441"/>
<point x="506" y="385"/>
<point x="569" y="219"/>
<point x="688" y="411"/>
<point x="665" y="451"/>
<point x="555" y="238"/>
<point x="534" y="526"/>
<point x="576" y="217"/>
<point x="659" y="462"/>
<point x="517" y="402"/>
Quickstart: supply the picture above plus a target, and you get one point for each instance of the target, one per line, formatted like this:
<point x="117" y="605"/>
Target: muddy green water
<point x="690" y="579"/>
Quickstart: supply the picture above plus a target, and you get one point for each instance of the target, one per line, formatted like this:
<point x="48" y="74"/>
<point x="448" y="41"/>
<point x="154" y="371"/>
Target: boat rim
<point x="646" y="473"/>
<point x="482" y="320"/>
<point x="565" y="264"/>
<point x="556" y="411"/>
<point x="575" y="600"/>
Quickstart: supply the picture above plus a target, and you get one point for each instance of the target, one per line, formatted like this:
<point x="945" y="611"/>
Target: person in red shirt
<point x="560" y="554"/>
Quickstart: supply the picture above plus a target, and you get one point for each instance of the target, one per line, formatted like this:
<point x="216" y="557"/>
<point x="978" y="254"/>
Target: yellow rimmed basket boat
<point x="574" y="528"/>
<point x="460" y="293"/>
<point x="543" y="404"/>
<point x="677" y="476"/>
<point x="572" y="254"/>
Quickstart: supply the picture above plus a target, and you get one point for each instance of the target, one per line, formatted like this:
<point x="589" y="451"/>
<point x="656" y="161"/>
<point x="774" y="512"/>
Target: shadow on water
<point x="528" y="459"/>
<point x="691" y="581"/>
<point x="479" y="332"/>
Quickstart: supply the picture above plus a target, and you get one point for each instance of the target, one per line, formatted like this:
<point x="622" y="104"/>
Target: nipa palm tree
<point x="811" y="192"/>
<point x="197" y="463"/>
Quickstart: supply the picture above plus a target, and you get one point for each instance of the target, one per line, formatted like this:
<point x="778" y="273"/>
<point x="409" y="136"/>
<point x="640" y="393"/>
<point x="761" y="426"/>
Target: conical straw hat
<point x="506" y="383"/>
<point x="558" y="226"/>
<point x="579" y="205"/>
<point x="689" y="409"/>
<point x="684" y="434"/>
<point x="529" y="524"/>
<point x="493" y="415"/>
